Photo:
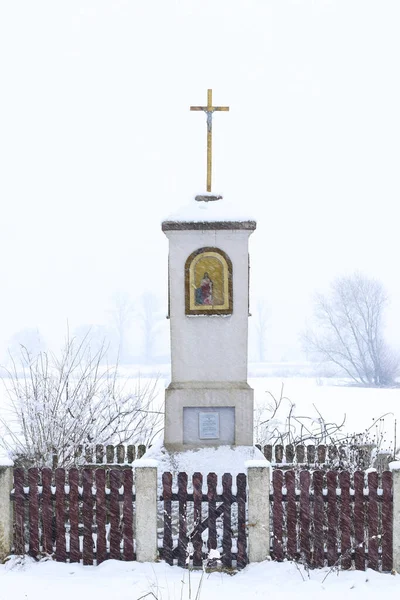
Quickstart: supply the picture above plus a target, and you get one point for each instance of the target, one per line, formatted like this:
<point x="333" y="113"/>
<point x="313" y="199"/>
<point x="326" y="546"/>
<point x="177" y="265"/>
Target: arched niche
<point x="208" y="283"/>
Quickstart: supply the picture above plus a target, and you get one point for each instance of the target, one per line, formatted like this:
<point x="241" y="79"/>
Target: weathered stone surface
<point x="199" y="395"/>
<point x="146" y="513"/>
<point x="207" y="198"/>
<point x="395" y="468"/>
<point x="6" y="513"/>
<point x="258" y="511"/>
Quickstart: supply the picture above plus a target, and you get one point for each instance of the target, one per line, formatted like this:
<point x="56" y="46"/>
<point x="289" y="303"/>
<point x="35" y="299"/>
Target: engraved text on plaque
<point x="208" y="425"/>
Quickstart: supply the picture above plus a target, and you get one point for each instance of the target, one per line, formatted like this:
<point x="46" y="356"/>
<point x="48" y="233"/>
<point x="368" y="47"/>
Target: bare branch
<point x="73" y="400"/>
<point x="348" y="331"/>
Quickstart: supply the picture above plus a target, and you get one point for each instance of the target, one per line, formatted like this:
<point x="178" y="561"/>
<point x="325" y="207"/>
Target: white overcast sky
<point x="97" y="145"/>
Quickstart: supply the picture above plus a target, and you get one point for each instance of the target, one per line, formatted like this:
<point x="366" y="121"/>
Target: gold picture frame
<point x="208" y="283"/>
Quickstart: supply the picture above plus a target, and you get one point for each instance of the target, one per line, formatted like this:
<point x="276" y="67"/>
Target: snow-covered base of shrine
<point x="224" y="459"/>
<point x="30" y="580"/>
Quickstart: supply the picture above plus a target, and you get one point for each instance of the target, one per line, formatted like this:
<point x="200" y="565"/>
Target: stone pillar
<point x="258" y="480"/>
<point x="146" y="510"/>
<point x="209" y="342"/>
<point x="395" y="468"/>
<point x="6" y="511"/>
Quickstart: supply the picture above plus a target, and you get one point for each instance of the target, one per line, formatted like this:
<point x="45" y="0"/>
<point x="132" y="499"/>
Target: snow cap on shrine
<point x="210" y="211"/>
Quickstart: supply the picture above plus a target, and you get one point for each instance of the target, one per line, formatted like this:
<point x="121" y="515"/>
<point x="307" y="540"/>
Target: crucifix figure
<point x="209" y="109"/>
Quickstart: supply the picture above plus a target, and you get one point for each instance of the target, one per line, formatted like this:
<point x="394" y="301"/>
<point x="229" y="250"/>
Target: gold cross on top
<point x="209" y="109"/>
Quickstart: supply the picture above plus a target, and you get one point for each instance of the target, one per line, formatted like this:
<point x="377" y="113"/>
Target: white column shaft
<point x="258" y="513"/>
<point x="146" y="514"/>
<point x="6" y="512"/>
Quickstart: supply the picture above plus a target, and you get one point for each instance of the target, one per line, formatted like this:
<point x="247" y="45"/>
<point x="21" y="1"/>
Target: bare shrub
<point x="61" y="403"/>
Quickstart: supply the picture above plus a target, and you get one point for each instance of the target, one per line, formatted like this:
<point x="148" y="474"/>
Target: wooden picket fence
<point x="333" y="517"/>
<point x="320" y="517"/>
<point x="121" y="454"/>
<point x="323" y="456"/>
<point x="300" y="454"/>
<point x="68" y="519"/>
<point x="204" y="516"/>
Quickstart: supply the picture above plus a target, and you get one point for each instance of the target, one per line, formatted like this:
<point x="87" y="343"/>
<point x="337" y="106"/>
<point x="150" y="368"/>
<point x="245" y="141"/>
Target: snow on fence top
<point x="104" y="455"/>
<point x="341" y="455"/>
<point x="278" y="455"/>
<point x="394" y="465"/>
<point x="5" y="461"/>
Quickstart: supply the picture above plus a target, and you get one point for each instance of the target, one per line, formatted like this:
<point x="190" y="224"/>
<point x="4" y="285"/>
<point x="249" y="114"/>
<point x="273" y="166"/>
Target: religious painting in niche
<point x="208" y="283"/>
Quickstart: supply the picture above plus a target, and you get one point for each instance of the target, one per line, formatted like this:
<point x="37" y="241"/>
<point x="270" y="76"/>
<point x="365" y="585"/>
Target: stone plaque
<point x="208" y="425"/>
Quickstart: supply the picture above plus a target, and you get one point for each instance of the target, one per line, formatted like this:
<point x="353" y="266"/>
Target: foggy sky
<point x="98" y="145"/>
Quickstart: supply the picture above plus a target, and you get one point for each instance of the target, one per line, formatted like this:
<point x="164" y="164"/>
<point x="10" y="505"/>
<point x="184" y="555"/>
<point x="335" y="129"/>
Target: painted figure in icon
<point x="204" y="292"/>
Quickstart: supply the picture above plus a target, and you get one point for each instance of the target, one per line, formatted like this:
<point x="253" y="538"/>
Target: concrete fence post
<point x="395" y="468"/>
<point x="6" y="509"/>
<point x="146" y="510"/>
<point x="258" y="481"/>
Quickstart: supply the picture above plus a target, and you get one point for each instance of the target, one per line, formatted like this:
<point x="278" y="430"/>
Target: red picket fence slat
<point x="87" y="511"/>
<point x="227" y="533"/>
<point x="318" y="520"/>
<point x="182" y="538"/>
<point x="305" y="550"/>
<point x="127" y="528"/>
<point x="291" y="516"/>
<point x="277" y="515"/>
<point x="241" y="536"/>
<point x="345" y="520"/>
<point x="373" y="542"/>
<point x="115" y="535"/>
<point x="212" y="507"/>
<point x="73" y="480"/>
<point x="33" y="475"/>
<point x="61" y="552"/>
<point x="167" y="540"/>
<point x="331" y="484"/>
<point x="101" y="515"/>
<point x="47" y="511"/>
<point x="196" y="539"/>
<point x="387" y="521"/>
<point x="359" y="560"/>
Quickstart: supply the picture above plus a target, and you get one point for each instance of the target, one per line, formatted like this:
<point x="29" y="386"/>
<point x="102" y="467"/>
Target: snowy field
<point x="360" y="407"/>
<point x="132" y="581"/>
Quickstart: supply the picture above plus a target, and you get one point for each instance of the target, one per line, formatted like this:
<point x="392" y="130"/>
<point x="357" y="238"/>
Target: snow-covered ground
<point x="333" y="399"/>
<point x="360" y="407"/>
<point x="131" y="581"/>
<point x="30" y="580"/>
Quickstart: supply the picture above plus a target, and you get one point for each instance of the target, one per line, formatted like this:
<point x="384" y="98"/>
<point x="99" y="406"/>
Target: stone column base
<point x="188" y="407"/>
